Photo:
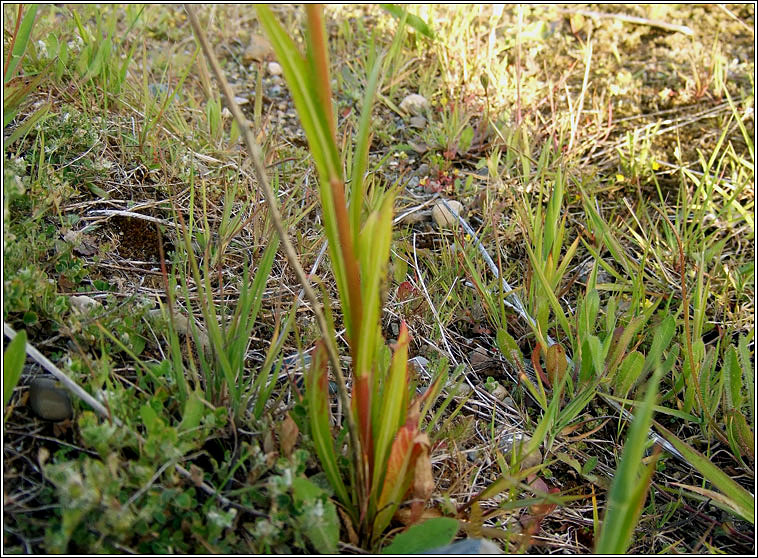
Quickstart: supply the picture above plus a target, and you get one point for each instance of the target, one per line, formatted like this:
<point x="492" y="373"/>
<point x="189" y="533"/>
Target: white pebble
<point x="442" y="215"/>
<point x="83" y="304"/>
<point x="414" y="104"/>
<point x="274" y="69"/>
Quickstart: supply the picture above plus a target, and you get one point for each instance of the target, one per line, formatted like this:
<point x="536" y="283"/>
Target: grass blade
<point x="743" y="500"/>
<point x="20" y="42"/>
<point x="629" y="487"/>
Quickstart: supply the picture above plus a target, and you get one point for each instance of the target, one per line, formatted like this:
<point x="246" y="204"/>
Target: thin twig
<point x="634" y="19"/>
<point x="133" y="215"/>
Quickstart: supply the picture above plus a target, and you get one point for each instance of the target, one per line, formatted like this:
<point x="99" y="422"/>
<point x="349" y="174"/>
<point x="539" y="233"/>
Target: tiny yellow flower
<point x="620" y="178"/>
<point x="656" y="165"/>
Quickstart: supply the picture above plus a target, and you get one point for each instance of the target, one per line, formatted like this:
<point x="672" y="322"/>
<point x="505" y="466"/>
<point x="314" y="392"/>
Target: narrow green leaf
<point x="545" y="285"/>
<point x="413" y="20"/>
<point x="317" y="395"/>
<point x="664" y="333"/>
<point x="744" y="501"/>
<point x="360" y="157"/>
<point x="394" y="403"/>
<point x="629" y="486"/>
<point x="22" y="41"/>
<point x="732" y="375"/>
<point x="304" y="89"/>
<point x="13" y="364"/>
<point x="622" y="343"/>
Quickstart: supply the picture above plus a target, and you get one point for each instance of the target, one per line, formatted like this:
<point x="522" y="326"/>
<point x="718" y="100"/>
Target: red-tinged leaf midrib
<point x="362" y="410"/>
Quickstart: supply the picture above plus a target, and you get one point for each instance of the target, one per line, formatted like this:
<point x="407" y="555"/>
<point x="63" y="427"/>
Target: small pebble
<point x="182" y="325"/>
<point x="499" y="392"/>
<point x="422" y="170"/>
<point x="83" y="304"/>
<point x="274" y="68"/>
<point x="49" y="401"/>
<point x="479" y="357"/>
<point x="462" y="389"/>
<point x="258" y="50"/>
<point x="467" y="546"/>
<point x="414" y="104"/>
<point x="419" y="362"/>
<point x="418" y="122"/>
<point x="442" y="216"/>
<point x="520" y="441"/>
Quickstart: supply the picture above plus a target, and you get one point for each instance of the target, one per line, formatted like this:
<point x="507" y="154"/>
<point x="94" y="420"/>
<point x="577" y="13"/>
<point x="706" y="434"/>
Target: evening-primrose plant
<point x="391" y="452"/>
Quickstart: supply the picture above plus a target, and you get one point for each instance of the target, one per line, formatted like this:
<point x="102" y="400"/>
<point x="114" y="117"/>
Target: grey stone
<point x="49" y="401"/>
<point x="418" y="122"/>
<point x="467" y="546"/>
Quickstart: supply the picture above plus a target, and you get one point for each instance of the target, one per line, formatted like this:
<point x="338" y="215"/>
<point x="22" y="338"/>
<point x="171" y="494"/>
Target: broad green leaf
<point x="507" y="345"/>
<point x="748" y="375"/>
<point x="318" y="517"/>
<point x="593" y="359"/>
<point x="193" y="412"/>
<point x="741" y="438"/>
<point x="590" y="309"/>
<point x="430" y="534"/>
<point x="629" y="371"/>
<point x="374" y="251"/>
<point x="467" y="136"/>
